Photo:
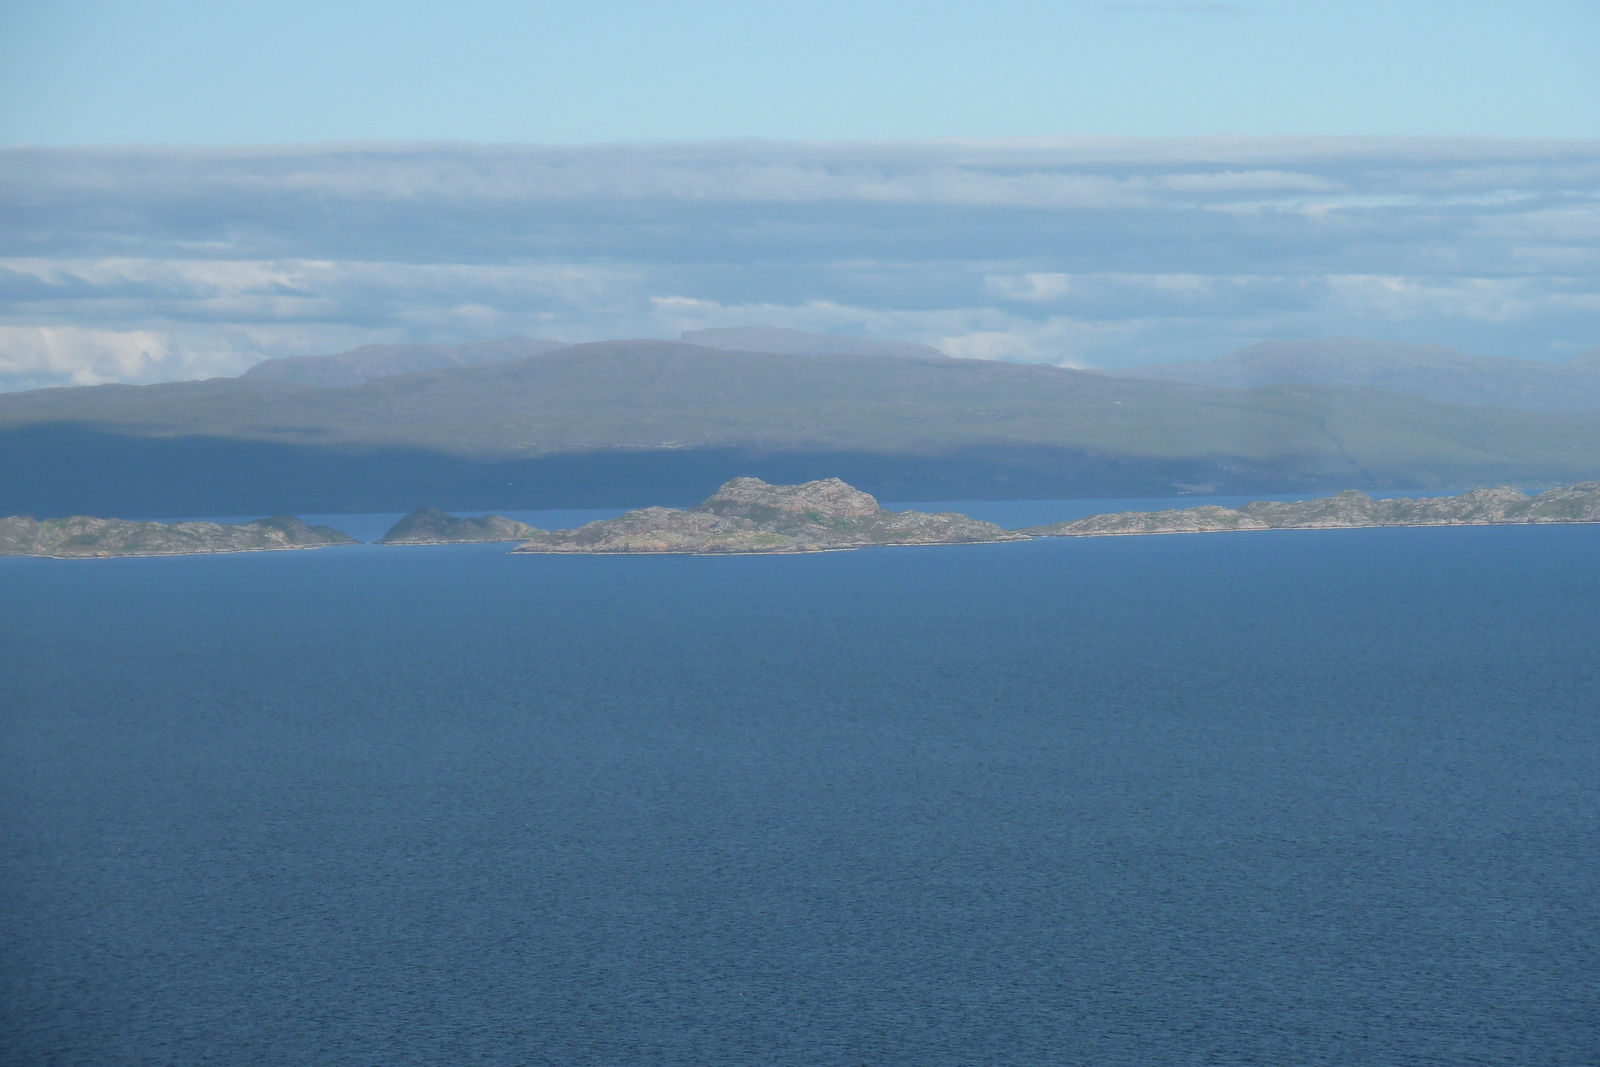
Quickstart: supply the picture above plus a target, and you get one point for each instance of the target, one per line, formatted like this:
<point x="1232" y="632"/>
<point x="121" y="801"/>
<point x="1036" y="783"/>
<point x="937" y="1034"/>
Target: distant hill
<point x="345" y="369"/>
<point x="1431" y="371"/>
<point x="379" y="361"/>
<point x="800" y="343"/>
<point x="628" y="422"/>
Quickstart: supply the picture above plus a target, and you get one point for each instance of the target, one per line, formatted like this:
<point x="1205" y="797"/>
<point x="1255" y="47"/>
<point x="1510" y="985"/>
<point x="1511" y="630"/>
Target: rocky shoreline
<point x="86" y="537"/>
<point x="747" y="515"/>
<point x="1348" y="510"/>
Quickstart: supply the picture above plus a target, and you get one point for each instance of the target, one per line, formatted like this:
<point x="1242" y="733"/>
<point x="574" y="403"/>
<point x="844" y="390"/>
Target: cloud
<point x="73" y="356"/>
<point x="1100" y="250"/>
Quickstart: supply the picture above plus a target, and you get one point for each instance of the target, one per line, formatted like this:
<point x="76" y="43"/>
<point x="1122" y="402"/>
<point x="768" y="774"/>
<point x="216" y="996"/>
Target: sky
<point x="187" y="188"/>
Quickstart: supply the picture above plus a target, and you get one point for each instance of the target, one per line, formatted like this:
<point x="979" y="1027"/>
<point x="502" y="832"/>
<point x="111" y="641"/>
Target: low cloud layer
<point x="152" y="264"/>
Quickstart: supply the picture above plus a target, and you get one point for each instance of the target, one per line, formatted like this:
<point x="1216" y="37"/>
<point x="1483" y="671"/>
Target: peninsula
<point x="430" y="526"/>
<point x="748" y="515"/>
<point x="1348" y="510"/>
<point x="85" y="537"/>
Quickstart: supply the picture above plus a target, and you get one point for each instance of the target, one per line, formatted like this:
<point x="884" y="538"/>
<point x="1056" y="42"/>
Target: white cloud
<point x="70" y="355"/>
<point x="1101" y="250"/>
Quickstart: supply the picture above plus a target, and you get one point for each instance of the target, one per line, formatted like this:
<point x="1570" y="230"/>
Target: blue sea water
<point x="1301" y="798"/>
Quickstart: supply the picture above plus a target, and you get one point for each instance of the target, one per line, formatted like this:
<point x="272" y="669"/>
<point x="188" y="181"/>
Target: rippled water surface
<point x="1323" y="797"/>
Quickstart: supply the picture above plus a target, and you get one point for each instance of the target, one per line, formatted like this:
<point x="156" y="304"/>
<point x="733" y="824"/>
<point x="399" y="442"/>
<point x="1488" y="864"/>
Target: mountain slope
<point x="650" y="414"/>
<point x="361" y="365"/>
<point x="1431" y="371"/>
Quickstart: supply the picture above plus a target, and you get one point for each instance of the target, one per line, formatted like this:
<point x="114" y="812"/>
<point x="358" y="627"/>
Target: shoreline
<point x="1296" y="529"/>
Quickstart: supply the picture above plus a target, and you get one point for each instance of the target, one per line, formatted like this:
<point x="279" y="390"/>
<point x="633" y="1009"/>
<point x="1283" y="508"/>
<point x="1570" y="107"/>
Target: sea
<point x="1280" y="798"/>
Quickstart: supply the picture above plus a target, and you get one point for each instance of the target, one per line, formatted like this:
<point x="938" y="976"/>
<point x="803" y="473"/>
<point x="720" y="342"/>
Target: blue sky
<point x="134" y="71"/>
<point x="1099" y="184"/>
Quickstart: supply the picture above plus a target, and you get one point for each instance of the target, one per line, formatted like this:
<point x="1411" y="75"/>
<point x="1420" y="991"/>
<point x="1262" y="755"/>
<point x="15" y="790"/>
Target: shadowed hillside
<point x="620" y="422"/>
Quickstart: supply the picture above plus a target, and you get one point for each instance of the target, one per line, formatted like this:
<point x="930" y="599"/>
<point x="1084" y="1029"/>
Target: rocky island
<point x="748" y="515"/>
<point x="429" y="526"/>
<point x="85" y="537"/>
<point x="1348" y="510"/>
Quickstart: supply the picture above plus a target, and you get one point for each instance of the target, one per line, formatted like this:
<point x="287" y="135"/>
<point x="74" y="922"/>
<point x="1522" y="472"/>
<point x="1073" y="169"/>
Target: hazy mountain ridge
<point x="786" y="342"/>
<point x="343" y="369"/>
<point x="362" y="365"/>
<point x="1434" y="372"/>
<point x="648" y="413"/>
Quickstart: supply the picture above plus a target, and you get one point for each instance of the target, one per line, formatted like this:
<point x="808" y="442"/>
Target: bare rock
<point x="749" y="515"/>
<point x="429" y="526"/>
<point x="86" y="537"/>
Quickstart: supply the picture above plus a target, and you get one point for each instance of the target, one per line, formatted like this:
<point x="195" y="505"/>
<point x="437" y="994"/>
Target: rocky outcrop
<point x="429" y="526"/>
<point x="1347" y="510"/>
<point x="1576" y="503"/>
<point x="1210" y="519"/>
<point x="85" y="537"/>
<point x="748" y="515"/>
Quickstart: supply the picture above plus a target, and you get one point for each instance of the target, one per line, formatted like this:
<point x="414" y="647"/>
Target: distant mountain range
<point x="800" y="343"/>
<point x="619" y="423"/>
<point x="1431" y="371"/>
<point x="382" y="361"/>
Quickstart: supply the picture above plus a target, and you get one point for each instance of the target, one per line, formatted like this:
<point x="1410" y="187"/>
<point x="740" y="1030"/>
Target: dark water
<point x="1284" y="798"/>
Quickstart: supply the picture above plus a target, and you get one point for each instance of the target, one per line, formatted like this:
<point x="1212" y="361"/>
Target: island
<point x="86" y="537"/>
<point x="748" y="515"/>
<point x="1347" y="510"/>
<point x="430" y="526"/>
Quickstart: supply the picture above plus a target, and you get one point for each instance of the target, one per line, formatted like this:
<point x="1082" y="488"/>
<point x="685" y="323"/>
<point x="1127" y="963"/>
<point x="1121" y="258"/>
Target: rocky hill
<point x="429" y="526"/>
<point x="1480" y="507"/>
<point x="748" y="515"/>
<point x="84" y="537"/>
